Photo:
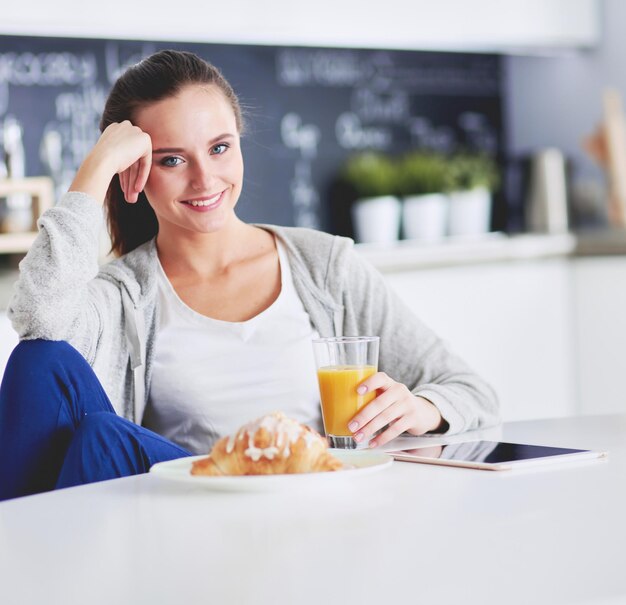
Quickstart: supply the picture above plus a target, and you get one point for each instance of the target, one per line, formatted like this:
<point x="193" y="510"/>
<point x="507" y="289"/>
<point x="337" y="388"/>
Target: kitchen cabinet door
<point x="600" y="311"/>
<point x="511" y="321"/>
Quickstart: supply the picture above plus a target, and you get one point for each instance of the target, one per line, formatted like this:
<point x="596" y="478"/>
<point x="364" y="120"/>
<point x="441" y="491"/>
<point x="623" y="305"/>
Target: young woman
<point x="204" y="322"/>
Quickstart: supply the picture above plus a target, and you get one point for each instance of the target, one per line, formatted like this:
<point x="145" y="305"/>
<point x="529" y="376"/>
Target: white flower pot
<point x="424" y="217"/>
<point x="470" y="212"/>
<point x="376" y="220"/>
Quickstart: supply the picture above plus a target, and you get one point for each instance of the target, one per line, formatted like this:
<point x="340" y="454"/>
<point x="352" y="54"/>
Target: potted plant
<point x="422" y="182"/>
<point x="376" y="212"/>
<point x="472" y="180"/>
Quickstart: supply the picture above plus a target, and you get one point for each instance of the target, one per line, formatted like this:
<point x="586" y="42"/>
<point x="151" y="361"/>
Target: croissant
<point x="273" y="444"/>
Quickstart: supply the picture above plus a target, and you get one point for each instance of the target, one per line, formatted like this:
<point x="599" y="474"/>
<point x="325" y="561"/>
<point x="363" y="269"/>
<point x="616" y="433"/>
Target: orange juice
<point x="340" y="401"/>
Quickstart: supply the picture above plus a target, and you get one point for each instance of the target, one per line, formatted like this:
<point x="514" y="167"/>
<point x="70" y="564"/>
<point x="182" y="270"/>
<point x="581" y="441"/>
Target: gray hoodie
<point x="110" y="313"/>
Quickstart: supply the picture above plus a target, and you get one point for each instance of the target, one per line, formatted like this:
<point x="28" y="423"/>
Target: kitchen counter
<point x="493" y="247"/>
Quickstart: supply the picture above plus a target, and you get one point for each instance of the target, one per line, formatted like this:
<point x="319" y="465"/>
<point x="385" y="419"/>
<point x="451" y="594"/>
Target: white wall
<point x="417" y="24"/>
<point x="556" y="101"/>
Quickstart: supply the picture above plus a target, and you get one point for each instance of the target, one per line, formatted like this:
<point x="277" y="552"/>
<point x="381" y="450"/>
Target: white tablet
<point x="493" y="455"/>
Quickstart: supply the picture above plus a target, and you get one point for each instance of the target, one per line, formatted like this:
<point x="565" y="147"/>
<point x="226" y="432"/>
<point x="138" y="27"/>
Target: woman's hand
<point x="395" y="406"/>
<point x="122" y="149"/>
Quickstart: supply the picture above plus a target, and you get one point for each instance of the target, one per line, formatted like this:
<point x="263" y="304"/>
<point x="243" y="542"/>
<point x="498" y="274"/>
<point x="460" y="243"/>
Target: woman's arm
<point x="55" y="297"/>
<point x="51" y="299"/>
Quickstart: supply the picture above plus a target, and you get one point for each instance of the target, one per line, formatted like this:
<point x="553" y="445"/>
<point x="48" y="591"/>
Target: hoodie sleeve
<point x="56" y="296"/>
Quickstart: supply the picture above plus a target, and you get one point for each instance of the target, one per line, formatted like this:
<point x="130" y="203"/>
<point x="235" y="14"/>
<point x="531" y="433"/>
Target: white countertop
<point x="409" y="534"/>
<point x="493" y="247"/>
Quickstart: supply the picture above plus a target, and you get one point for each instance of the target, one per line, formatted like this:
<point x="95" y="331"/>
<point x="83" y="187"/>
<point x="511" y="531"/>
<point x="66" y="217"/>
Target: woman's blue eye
<point x="171" y="161"/>
<point x="219" y="149"/>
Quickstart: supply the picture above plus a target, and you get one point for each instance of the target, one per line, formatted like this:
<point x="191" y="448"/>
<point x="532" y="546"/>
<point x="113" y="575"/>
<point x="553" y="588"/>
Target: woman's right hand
<point x="122" y="149"/>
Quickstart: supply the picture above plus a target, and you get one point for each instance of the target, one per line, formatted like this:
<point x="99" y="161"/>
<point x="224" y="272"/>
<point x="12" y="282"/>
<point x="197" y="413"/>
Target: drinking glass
<point x="342" y="365"/>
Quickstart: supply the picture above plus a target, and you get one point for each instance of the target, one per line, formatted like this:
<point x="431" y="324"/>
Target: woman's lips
<point x="204" y="204"/>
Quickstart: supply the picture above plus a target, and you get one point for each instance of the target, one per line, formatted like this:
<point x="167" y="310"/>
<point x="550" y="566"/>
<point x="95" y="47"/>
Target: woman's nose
<point x="201" y="176"/>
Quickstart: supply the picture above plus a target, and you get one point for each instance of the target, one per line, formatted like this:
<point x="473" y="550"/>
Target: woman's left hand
<point x="395" y="406"/>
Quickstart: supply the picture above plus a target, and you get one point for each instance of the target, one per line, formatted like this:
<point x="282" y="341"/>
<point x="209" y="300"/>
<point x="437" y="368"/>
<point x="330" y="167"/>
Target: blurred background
<point x="324" y="83"/>
<point x="475" y="150"/>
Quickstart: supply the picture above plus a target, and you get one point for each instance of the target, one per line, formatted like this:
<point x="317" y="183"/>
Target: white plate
<point x="360" y="462"/>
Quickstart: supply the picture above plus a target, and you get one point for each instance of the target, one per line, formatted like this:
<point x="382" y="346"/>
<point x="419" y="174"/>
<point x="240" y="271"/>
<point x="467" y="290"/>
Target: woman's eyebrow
<point x="221" y="137"/>
<point x="168" y="150"/>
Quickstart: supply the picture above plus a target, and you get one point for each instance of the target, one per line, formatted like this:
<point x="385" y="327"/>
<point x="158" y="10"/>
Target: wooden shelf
<point x="41" y="190"/>
<point x="16" y="243"/>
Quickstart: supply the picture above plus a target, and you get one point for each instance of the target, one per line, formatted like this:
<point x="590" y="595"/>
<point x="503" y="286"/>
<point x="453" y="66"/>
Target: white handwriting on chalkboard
<point x="380" y="71"/>
<point x="47" y="69"/>
<point x="391" y="107"/>
<point x="81" y="110"/>
<point x="351" y="134"/>
<point x="426" y="136"/>
<point x="304" y="196"/>
<point x="296" y="135"/>
<point x="116" y="66"/>
<point x="321" y="67"/>
<point x="89" y="100"/>
<point x="44" y="69"/>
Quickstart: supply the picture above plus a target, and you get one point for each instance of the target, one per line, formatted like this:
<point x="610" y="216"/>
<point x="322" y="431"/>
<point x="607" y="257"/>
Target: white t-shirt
<point x="211" y="376"/>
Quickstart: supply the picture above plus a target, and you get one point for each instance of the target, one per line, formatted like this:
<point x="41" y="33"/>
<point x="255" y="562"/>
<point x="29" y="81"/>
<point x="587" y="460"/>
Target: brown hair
<point x="157" y="77"/>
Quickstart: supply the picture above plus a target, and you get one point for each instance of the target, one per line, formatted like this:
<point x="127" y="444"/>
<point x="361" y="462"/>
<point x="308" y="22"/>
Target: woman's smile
<point x="205" y="204"/>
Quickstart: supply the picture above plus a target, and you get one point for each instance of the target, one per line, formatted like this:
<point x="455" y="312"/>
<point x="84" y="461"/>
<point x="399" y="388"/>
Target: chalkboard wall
<point x="307" y="110"/>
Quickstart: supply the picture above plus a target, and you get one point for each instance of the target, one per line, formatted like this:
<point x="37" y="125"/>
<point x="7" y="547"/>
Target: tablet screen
<point x="490" y="452"/>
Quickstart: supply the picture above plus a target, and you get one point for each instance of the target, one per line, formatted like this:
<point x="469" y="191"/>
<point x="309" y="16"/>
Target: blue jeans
<point x="58" y="428"/>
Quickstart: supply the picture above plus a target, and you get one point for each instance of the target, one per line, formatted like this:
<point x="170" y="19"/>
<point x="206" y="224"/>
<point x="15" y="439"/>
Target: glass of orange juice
<point x="342" y="365"/>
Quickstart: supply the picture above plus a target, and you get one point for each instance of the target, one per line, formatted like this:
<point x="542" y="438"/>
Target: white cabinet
<point x="511" y="321"/>
<point x="600" y="320"/>
<point x="479" y="25"/>
<point x="549" y="334"/>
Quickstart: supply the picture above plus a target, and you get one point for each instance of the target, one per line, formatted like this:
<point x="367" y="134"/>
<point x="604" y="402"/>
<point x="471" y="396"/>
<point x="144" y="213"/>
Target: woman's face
<point x="197" y="167"/>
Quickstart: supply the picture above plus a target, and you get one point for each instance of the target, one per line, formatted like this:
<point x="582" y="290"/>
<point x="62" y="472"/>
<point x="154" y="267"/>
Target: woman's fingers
<point x="388" y="391"/>
<point x="143" y="171"/>
<point x="380" y="380"/>
<point x="395" y="410"/>
<point x="123" y="176"/>
<point x="130" y="149"/>
<point x="375" y="409"/>
<point x="390" y="411"/>
<point x="394" y="430"/>
<point x="132" y="178"/>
